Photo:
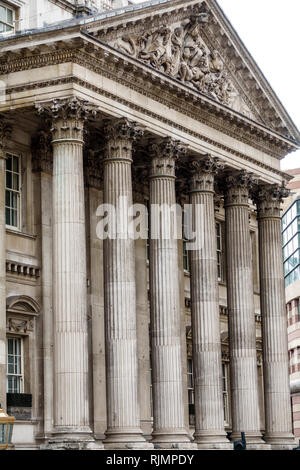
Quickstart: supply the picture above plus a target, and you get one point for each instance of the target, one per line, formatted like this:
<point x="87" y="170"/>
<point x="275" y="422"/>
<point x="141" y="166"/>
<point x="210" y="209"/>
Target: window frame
<point x="10" y="25"/>
<point x="220" y="251"/>
<point x="191" y="389"/>
<point x="21" y="374"/>
<point x="17" y="228"/>
<point x="225" y="393"/>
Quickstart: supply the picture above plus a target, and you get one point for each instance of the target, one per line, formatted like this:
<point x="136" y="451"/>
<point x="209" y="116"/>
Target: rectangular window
<point x="151" y="388"/>
<point x="7" y="18"/>
<point x="225" y="392"/>
<point x="13" y="191"/>
<point x="186" y="259"/>
<point x="191" y="393"/>
<point x="14" y="365"/>
<point x="219" y="251"/>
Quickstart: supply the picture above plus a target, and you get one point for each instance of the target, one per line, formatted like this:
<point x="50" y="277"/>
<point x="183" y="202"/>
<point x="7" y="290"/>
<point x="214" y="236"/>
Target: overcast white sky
<point x="270" y="29"/>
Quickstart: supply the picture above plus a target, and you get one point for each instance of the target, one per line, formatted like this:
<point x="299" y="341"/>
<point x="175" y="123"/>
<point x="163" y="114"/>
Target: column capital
<point x="41" y="152"/>
<point x="164" y="152"/>
<point x="203" y="172"/>
<point x="120" y="135"/>
<point x="67" y="117"/>
<point x="268" y="199"/>
<point x="237" y="187"/>
<point x="5" y="133"/>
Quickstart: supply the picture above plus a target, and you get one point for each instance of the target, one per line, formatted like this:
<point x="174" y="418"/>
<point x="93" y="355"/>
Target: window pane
<point x="9" y="163"/>
<point x="2" y="13"/>
<point x="7" y="198"/>
<point x="9" y="16"/>
<point x="16" y="165"/>
<point x="10" y="346"/>
<point x="8" y="28"/>
<point x="8" y="180"/>
<point x="9" y="384"/>
<point x="14" y="221"/>
<point x="7" y="217"/>
<point x="16" y="182"/>
<point x="14" y="197"/>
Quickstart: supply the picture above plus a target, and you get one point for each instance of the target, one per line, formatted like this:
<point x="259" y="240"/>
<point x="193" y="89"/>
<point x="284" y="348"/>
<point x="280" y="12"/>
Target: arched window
<point x="21" y="312"/>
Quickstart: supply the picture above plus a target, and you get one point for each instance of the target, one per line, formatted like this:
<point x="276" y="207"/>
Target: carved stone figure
<point x="216" y="65"/>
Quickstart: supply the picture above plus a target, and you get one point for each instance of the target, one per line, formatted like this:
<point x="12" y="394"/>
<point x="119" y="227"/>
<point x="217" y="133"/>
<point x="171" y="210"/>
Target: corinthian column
<point x="209" y="411"/>
<point x="275" y="344"/>
<point x="167" y="380"/>
<point x="123" y="414"/>
<point x="242" y="335"/>
<point x="5" y="131"/>
<point x="71" y="395"/>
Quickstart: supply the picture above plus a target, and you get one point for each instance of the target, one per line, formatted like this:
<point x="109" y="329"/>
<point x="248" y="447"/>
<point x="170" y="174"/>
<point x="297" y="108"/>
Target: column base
<point x="251" y="437"/>
<point x="70" y="438"/>
<point x="72" y="444"/>
<point x="212" y="440"/>
<point x="254" y="440"/>
<point x="168" y="439"/>
<point x="282" y="441"/>
<point x="128" y="446"/>
<point x="124" y="439"/>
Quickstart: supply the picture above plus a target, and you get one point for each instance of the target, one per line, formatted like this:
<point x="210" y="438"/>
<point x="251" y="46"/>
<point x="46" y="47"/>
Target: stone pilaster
<point x="209" y="413"/>
<point x="5" y="131"/>
<point x="123" y="413"/>
<point x="278" y="417"/>
<point x="71" y="403"/>
<point x="169" y="423"/>
<point x="242" y="335"/>
<point x="42" y="163"/>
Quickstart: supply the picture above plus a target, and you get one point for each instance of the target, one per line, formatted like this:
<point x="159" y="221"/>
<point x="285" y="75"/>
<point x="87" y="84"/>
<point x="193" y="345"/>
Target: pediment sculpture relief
<point x="179" y="51"/>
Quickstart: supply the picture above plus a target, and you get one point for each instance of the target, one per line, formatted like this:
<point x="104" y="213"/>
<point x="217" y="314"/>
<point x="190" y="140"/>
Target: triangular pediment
<point x="193" y="43"/>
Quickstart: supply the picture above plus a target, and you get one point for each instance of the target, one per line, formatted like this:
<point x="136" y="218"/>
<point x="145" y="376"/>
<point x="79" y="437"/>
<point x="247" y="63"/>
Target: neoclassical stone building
<point x="123" y="343"/>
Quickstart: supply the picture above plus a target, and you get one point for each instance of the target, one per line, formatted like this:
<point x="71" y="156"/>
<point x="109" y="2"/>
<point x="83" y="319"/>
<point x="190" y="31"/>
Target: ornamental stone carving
<point x="15" y="325"/>
<point x="237" y="188"/>
<point x="203" y="173"/>
<point x="120" y="135"/>
<point x="5" y="133"/>
<point x="41" y="149"/>
<point x="180" y="52"/>
<point x="67" y="117"/>
<point x="164" y="154"/>
<point x="93" y="169"/>
<point x="268" y="199"/>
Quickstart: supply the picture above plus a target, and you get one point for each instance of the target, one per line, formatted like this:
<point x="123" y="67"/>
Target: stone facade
<point x="134" y="343"/>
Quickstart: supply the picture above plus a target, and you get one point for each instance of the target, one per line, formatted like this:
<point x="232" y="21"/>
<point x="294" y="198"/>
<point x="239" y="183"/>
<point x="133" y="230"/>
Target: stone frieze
<point x="179" y="51"/>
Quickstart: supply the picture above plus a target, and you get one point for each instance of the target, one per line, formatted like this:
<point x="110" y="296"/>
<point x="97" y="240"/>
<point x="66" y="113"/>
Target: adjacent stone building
<point x="123" y="342"/>
<point x="291" y="258"/>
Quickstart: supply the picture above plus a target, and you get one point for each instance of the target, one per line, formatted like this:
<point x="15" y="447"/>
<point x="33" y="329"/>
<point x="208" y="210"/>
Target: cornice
<point x="75" y="80"/>
<point x="113" y="64"/>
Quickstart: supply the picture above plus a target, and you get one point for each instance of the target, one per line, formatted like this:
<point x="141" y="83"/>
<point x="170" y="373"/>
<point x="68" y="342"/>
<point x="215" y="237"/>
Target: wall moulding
<point x="150" y="82"/>
<point x="73" y="80"/>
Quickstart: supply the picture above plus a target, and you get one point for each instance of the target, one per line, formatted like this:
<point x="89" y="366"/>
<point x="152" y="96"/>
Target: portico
<point x="117" y="121"/>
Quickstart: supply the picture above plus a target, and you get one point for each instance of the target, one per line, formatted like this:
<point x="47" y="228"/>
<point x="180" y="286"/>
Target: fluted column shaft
<point x="71" y="397"/>
<point x="278" y="416"/>
<point x="4" y="134"/>
<point x="209" y="410"/>
<point x="123" y="414"/>
<point x="242" y="335"/>
<point x="169" y="424"/>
